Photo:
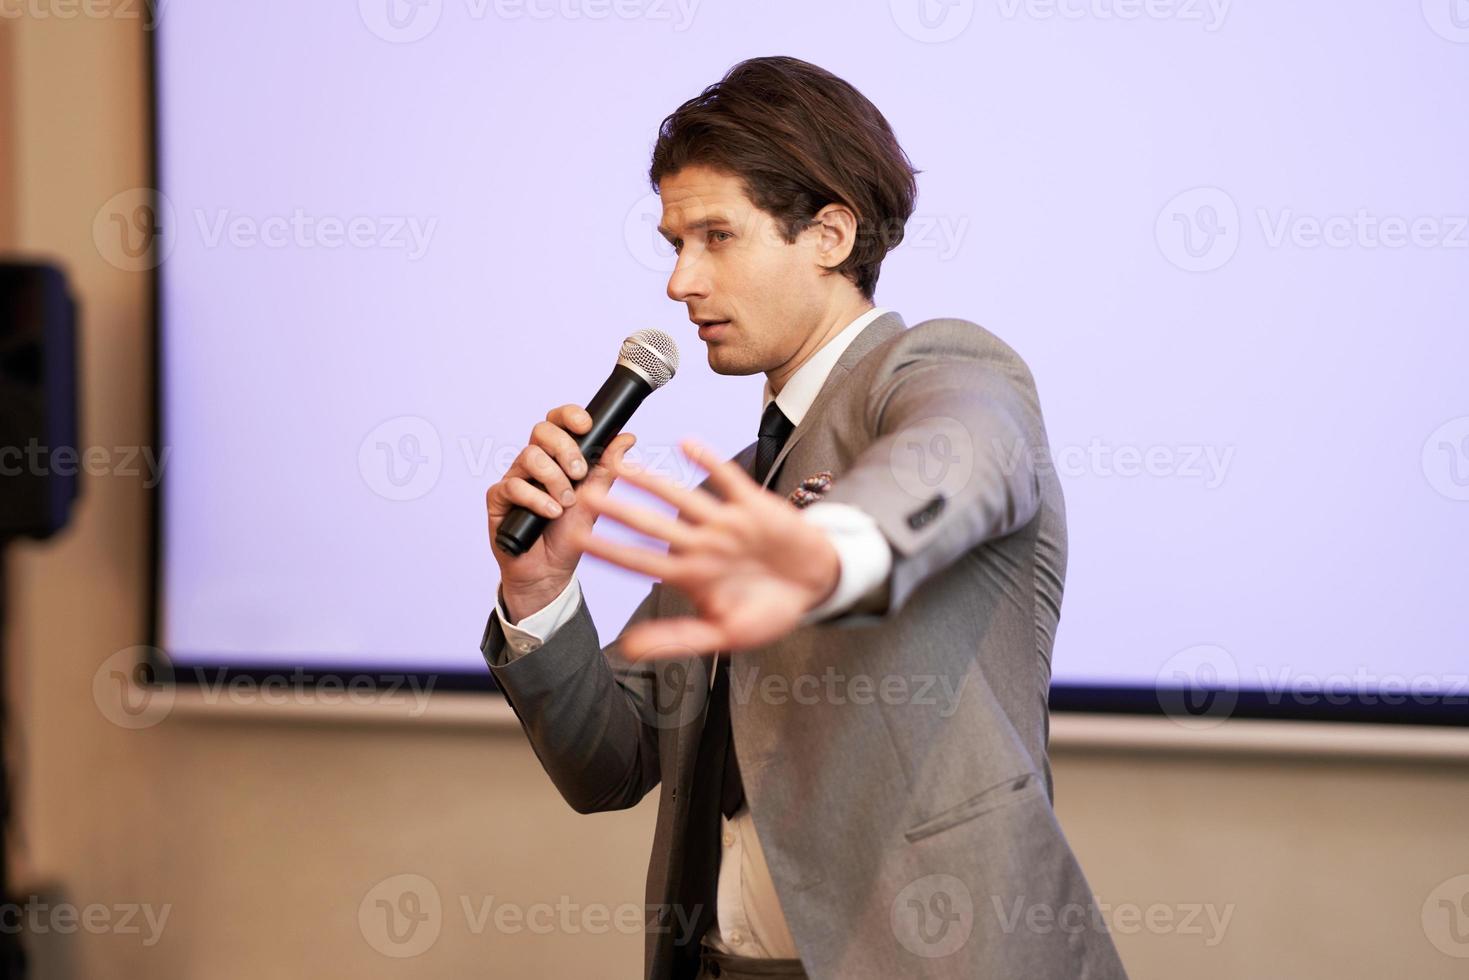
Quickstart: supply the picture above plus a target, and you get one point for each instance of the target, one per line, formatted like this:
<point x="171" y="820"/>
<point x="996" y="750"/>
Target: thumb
<point x="601" y="475"/>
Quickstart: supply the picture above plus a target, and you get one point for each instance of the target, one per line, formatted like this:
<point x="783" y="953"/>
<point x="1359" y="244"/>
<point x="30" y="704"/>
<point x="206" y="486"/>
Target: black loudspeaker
<point x="39" y="456"/>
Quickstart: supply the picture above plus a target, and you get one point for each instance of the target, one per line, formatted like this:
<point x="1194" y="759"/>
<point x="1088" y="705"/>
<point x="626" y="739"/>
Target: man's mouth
<point x="712" y="329"/>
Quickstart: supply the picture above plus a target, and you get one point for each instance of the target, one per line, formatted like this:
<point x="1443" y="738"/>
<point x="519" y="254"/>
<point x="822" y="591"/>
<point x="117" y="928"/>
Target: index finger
<point x="696" y="506"/>
<point x="725" y="475"/>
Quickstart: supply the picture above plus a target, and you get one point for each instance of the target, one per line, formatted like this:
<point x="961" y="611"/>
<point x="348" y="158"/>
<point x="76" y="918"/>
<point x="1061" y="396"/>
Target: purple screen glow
<point x="1230" y="240"/>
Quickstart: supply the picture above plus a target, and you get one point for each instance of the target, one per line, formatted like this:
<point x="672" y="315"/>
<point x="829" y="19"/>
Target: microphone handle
<point x="610" y="409"/>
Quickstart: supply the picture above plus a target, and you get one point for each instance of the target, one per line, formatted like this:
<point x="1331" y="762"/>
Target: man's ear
<point x="836" y="230"/>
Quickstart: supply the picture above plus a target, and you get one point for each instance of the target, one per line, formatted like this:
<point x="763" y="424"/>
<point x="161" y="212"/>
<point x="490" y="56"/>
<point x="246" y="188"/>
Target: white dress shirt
<point x="750" y="920"/>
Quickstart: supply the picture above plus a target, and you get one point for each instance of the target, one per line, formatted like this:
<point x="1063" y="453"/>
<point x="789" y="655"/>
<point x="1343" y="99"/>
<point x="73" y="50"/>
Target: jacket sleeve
<point x="593" y="725"/>
<point x="955" y="426"/>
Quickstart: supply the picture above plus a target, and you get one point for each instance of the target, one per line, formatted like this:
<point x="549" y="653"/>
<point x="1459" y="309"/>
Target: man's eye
<point x="727" y="235"/>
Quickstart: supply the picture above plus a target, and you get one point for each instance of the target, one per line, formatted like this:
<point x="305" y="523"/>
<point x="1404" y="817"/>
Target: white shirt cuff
<point x="864" y="555"/>
<point x="532" y="631"/>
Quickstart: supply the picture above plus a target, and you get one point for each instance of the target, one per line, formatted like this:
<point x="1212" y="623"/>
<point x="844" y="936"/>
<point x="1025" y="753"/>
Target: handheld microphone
<point x="647" y="361"/>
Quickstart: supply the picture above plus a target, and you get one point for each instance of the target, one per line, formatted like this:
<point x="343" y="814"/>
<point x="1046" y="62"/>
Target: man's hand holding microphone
<point x="745" y="558"/>
<point x="552" y="458"/>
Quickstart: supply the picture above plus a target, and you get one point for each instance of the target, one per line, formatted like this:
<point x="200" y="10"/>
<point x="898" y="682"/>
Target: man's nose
<point x="688" y="280"/>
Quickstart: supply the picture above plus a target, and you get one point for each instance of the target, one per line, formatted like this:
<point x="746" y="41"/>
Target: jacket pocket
<point x="1011" y="790"/>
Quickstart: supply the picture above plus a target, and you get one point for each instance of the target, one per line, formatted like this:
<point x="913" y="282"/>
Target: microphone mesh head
<point x="651" y="353"/>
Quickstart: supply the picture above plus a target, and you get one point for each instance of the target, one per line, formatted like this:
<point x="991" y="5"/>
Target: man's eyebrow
<point x="701" y="224"/>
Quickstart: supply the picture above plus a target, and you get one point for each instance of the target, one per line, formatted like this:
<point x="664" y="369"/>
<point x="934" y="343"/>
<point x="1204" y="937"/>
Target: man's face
<point x="735" y="267"/>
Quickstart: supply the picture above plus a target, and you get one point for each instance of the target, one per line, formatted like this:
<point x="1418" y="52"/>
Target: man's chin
<point x="721" y="361"/>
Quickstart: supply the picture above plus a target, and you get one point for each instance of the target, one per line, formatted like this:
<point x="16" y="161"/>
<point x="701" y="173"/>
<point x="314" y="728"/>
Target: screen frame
<point x="1134" y="701"/>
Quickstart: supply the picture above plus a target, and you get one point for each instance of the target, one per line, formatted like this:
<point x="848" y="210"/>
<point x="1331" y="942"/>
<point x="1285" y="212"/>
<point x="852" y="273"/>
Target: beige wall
<point x="7" y="127"/>
<point x="263" y="833"/>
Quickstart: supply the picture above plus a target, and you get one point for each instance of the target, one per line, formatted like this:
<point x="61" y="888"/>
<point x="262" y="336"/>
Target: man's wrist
<point x="521" y="603"/>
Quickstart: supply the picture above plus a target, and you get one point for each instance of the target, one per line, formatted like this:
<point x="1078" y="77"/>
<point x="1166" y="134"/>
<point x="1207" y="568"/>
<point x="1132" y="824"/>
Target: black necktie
<point x="775" y="428"/>
<point x="717" y="788"/>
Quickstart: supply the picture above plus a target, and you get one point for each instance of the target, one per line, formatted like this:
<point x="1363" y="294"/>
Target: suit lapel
<point x="877" y="332"/>
<point x="883" y="329"/>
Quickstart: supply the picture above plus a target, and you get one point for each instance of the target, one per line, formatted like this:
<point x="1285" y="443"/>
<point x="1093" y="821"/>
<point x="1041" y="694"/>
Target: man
<point x="857" y="784"/>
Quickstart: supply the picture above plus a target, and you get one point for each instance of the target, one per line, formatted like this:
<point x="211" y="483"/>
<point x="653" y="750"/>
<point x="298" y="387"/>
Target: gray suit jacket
<point x="895" y="763"/>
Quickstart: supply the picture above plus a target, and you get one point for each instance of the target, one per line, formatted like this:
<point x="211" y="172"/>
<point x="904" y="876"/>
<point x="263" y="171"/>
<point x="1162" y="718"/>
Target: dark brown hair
<point x="799" y="138"/>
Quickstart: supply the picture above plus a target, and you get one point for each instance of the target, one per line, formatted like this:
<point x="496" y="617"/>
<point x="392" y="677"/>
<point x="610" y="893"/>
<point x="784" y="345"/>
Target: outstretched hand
<point x="749" y="563"/>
